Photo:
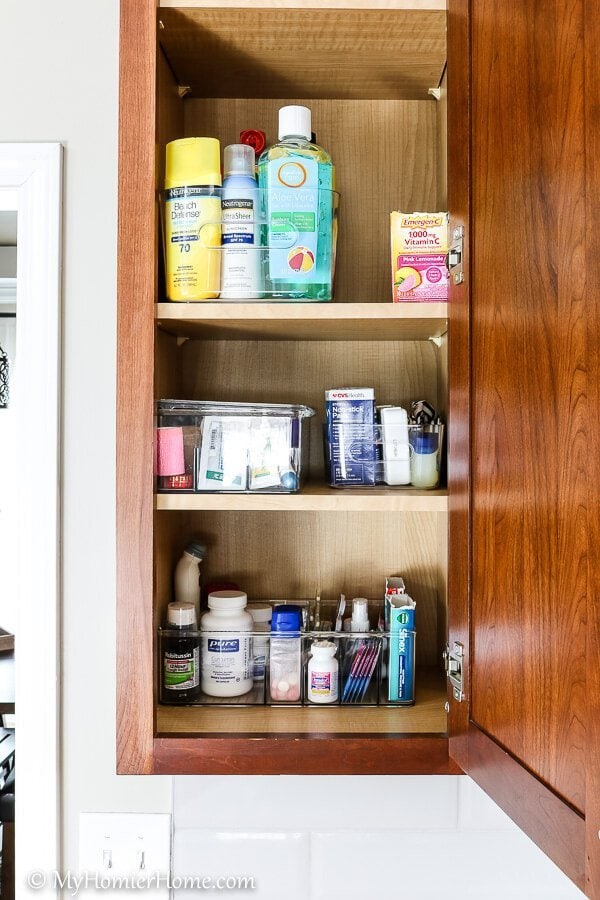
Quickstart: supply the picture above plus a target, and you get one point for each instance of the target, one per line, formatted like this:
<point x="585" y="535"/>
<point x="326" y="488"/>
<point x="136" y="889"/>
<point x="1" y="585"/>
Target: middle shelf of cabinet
<point x="304" y="321"/>
<point x="315" y="497"/>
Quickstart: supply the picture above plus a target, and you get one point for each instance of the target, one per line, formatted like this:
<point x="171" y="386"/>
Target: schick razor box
<point x="401" y="680"/>
<point x="350" y="435"/>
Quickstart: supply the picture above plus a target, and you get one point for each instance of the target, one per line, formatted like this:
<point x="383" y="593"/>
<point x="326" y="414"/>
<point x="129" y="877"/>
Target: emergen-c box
<point x="350" y="435"/>
<point x="419" y="248"/>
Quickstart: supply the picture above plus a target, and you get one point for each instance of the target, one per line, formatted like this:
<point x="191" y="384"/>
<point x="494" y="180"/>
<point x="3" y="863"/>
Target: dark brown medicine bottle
<point x="180" y="651"/>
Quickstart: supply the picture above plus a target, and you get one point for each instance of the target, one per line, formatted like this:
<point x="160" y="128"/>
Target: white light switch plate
<point x="126" y="844"/>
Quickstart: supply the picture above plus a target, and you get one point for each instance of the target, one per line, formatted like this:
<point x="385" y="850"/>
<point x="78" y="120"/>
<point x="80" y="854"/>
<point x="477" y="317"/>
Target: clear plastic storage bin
<point x="367" y="673"/>
<point x="363" y="455"/>
<point x="253" y="254"/>
<point x="230" y="447"/>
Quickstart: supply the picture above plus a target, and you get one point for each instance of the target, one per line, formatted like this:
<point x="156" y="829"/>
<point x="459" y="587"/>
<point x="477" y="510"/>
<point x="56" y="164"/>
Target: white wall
<point x="8" y="485"/>
<point x="58" y="78"/>
<point x="59" y="82"/>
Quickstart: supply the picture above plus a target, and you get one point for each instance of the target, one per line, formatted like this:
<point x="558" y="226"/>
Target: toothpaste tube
<point x="401" y="679"/>
<point x="351" y="435"/>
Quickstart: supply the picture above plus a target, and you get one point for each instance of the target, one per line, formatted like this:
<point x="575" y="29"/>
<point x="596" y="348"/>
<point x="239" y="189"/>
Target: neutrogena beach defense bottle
<point x="296" y="181"/>
<point x="192" y="219"/>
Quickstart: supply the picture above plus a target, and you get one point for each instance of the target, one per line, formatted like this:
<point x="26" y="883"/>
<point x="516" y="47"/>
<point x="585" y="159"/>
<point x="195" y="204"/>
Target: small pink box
<point x="169" y="451"/>
<point x="419" y="277"/>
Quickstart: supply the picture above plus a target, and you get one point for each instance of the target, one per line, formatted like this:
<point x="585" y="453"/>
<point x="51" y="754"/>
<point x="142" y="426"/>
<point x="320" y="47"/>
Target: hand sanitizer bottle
<point x="296" y="180"/>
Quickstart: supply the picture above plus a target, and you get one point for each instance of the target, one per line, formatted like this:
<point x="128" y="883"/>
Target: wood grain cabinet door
<point x="525" y="728"/>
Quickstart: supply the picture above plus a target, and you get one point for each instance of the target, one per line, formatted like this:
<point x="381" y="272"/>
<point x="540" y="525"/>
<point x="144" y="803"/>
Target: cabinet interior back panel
<point x="351" y="52"/>
<point x="287" y="555"/>
<point x="301" y="371"/>
<point x="385" y="157"/>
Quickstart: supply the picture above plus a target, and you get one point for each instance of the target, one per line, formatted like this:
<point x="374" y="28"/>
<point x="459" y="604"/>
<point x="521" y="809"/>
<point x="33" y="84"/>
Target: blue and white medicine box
<point x="350" y="435"/>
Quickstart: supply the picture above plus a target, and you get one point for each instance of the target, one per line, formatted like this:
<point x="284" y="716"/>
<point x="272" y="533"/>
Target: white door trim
<point x="34" y="171"/>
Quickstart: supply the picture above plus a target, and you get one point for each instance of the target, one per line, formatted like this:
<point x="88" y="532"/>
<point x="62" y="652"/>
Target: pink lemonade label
<point x="420" y="277"/>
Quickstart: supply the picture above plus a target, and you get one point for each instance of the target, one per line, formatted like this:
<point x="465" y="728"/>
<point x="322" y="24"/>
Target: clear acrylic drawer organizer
<point x="359" y="685"/>
<point x="207" y="447"/>
<point x="288" y="266"/>
<point x="370" y="455"/>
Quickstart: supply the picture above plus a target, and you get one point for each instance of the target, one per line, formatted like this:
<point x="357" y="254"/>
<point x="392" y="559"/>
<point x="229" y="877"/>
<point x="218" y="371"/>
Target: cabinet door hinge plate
<point x="455" y="255"/>
<point x="453" y="663"/>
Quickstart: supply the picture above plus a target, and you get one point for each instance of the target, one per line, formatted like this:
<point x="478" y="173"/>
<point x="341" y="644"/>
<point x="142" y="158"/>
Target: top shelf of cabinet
<point x="353" y="50"/>
<point x="304" y="321"/>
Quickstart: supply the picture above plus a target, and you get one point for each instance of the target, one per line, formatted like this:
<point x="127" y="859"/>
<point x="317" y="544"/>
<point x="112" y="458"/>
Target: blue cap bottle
<point x="286" y="619"/>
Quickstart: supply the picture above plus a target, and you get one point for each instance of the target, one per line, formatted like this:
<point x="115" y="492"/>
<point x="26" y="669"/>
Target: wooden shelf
<point x="366" y="53"/>
<point x="313" y="498"/>
<point x="305" y="321"/>
<point x="329" y="741"/>
<point x="427" y="716"/>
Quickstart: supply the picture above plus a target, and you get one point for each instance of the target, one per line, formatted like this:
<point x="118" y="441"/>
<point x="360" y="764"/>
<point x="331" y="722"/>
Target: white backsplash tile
<point x="429" y="865"/>
<point x="478" y="811"/>
<point x="326" y="802"/>
<point x="278" y="861"/>
<point x="358" y="838"/>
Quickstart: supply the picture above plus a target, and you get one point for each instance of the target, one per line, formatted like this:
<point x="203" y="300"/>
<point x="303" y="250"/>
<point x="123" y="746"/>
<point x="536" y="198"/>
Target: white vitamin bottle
<point x="323" y="671"/>
<point x="226" y="646"/>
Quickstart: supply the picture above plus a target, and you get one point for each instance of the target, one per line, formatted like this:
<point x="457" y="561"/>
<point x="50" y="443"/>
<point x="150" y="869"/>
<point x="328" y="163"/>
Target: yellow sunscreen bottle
<point x="192" y="219"/>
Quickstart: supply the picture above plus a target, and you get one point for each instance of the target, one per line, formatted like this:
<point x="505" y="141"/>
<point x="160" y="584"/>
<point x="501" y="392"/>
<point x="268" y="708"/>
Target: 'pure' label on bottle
<point x="226" y="661"/>
<point x="218" y="646"/>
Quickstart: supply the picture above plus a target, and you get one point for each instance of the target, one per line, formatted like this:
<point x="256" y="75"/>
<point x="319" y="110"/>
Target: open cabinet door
<point x="524" y="510"/>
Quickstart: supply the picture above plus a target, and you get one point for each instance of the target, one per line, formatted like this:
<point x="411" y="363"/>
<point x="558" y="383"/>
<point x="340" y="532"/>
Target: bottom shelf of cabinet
<point x="336" y="740"/>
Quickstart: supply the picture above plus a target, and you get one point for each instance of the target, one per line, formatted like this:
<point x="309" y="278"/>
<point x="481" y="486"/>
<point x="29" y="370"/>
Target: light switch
<point x="120" y="844"/>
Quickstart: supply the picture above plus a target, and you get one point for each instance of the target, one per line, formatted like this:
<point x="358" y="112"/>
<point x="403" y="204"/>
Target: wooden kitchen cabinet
<point x="503" y="558"/>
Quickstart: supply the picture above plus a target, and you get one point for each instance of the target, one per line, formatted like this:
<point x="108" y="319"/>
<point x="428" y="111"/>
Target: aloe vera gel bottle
<point x="296" y="178"/>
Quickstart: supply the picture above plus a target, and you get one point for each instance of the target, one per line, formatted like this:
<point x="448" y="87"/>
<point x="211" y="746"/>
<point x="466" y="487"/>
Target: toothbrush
<point x="361" y="673"/>
<point x="317" y="625"/>
<point x="356" y="673"/>
<point x="364" y="674"/>
<point x="348" y="688"/>
<point x="339" y="618"/>
<point x="372" y="667"/>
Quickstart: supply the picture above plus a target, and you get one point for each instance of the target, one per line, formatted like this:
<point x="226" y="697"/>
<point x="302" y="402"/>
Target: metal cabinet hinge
<point x="455" y="255"/>
<point x="453" y="663"/>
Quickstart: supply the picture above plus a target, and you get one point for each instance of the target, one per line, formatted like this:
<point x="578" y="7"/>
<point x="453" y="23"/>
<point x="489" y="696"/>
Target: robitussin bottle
<point x="181" y="655"/>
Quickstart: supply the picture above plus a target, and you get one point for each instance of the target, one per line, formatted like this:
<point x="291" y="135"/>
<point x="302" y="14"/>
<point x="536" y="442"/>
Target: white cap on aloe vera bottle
<point x="295" y="121"/>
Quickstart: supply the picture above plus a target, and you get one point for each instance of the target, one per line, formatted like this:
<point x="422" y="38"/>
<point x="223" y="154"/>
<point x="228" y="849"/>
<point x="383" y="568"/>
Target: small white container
<point x="323" y="673"/>
<point x="261" y="616"/>
<point x="360" y="615"/>
<point x="226" y="645"/>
